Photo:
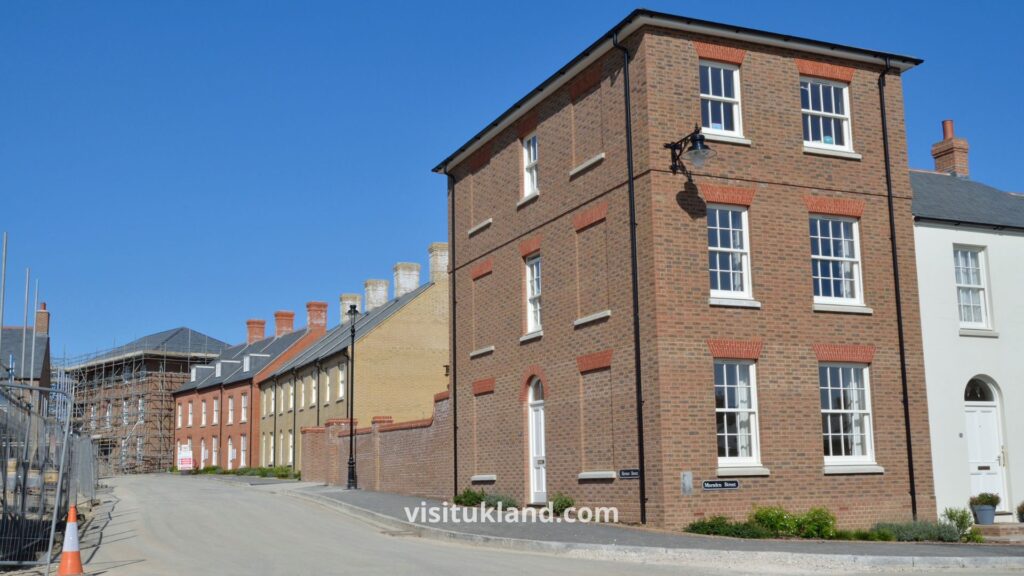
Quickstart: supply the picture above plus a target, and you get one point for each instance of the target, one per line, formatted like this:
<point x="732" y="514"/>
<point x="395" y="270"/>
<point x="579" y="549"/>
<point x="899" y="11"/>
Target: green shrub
<point x="986" y="499"/>
<point x="974" y="536"/>
<point x="775" y="520"/>
<point x="816" y="523"/>
<point x="961" y="518"/>
<point x="847" y="535"/>
<point x="492" y="501"/>
<point x="210" y="470"/>
<point x="721" y="526"/>
<point x="560" y="503"/>
<point x="920" y="531"/>
<point x="469" y="497"/>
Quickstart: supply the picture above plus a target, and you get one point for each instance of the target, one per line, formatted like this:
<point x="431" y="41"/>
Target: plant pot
<point x="984" y="515"/>
<point x="1020" y="517"/>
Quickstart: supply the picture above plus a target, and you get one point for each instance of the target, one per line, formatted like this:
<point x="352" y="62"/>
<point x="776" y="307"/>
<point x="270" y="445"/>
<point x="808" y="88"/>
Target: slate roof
<point x="10" y="344"/>
<point x="175" y="341"/>
<point x="232" y="361"/>
<point x="948" y="198"/>
<point x="338" y="338"/>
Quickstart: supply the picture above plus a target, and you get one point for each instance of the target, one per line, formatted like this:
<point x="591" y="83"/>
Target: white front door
<point x="538" y="463"/>
<point x="985" y="451"/>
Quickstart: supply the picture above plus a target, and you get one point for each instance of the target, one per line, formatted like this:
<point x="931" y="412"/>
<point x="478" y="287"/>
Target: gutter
<point x="642" y="17"/>
<point x="908" y="433"/>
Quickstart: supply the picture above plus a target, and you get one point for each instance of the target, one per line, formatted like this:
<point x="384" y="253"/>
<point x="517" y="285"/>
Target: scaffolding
<point x="123" y="400"/>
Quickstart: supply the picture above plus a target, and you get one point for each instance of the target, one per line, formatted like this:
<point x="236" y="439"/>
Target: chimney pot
<point x="346" y="301"/>
<point x="407" y="278"/>
<point x="284" y="322"/>
<point x="257" y="330"/>
<point x="951" y="153"/>
<point x="438" y="252"/>
<point x="376" y="293"/>
<point x="316" y="317"/>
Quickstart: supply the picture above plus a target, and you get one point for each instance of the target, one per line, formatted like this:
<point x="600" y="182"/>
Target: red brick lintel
<point x="590" y="216"/>
<point x="482" y="269"/>
<point x="719" y="53"/>
<point x="735" y="349"/>
<point x="529" y="246"/>
<point x="844" y="353"/>
<point x="441" y="396"/>
<point x="824" y="70"/>
<point x="481" y="387"/>
<point x="312" y="429"/>
<point x="714" y="194"/>
<point x="834" y="206"/>
<point x="596" y="361"/>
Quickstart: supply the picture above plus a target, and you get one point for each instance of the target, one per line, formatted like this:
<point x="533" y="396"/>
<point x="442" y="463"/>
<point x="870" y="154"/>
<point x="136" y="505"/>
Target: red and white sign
<point x="185" y="461"/>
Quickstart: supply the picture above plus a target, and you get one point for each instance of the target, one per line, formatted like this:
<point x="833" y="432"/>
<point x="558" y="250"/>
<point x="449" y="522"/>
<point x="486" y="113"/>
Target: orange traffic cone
<point x="70" y="557"/>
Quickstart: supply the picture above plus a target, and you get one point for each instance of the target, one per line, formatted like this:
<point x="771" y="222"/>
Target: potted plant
<point x="984" y="507"/>
<point x="1020" y="512"/>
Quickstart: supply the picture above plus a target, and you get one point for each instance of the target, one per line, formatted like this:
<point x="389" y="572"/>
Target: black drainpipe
<point x="635" y="280"/>
<point x="455" y="362"/>
<point x="899" y="299"/>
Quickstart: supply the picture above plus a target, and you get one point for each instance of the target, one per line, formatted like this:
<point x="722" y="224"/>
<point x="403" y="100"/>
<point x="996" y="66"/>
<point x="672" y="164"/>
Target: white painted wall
<point x="952" y="359"/>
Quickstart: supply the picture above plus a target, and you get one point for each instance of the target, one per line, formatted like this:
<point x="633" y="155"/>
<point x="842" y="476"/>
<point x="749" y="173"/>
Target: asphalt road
<point x="163" y="524"/>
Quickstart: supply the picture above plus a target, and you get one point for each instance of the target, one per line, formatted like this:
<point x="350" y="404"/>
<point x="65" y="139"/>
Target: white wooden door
<point x="538" y="462"/>
<point x="985" y="451"/>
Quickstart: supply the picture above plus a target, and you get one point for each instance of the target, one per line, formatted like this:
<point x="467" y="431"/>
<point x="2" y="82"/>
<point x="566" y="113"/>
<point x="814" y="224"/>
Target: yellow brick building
<point x="400" y="362"/>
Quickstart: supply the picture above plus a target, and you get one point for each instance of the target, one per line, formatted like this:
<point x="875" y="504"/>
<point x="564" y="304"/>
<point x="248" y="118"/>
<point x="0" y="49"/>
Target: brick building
<point x="25" y="357"/>
<point x="401" y="352"/>
<point x="760" y="307"/>
<point x="123" y="397"/>
<point x="214" y="410"/>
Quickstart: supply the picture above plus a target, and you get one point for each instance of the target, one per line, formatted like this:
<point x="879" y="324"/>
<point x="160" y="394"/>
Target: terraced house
<point x="215" y="410"/>
<point x="688" y="322"/>
<point x="401" y="357"/>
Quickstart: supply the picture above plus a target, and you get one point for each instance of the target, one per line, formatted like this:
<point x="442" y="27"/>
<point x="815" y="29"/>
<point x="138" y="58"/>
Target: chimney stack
<point x="257" y="330"/>
<point x="438" y="261"/>
<point x="951" y="153"/>
<point x="346" y="301"/>
<point x="407" y="278"/>
<point x="42" y="324"/>
<point x="316" y="317"/>
<point x="376" y="293"/>
<point x="284" y="322"/>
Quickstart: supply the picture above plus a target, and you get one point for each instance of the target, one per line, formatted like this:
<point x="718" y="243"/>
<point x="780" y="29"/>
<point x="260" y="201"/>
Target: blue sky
<point x="200" y="163"/>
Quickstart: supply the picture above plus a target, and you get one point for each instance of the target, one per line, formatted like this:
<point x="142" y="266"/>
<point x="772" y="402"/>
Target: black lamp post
<point x="697" y="153"/>
<point x="353" y="312"/>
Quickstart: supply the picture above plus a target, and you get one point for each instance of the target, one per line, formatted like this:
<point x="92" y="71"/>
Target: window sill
<point x="592" y="318"/>
<point x="586" y="165"/>
<point x="481" y="352"/>
<point x="845" y="154"/>
<point x="596" y="475"/>
<point x="527" y="199"/>
<point x="837" y="469"/>
<point x="480" y="227"/>
<point x="483" y="478"/>
<point x="734" y="302"/>
<point x="730" y="471"/>
<point x="842" y="308"/>
<point x="726" y="139"/>
<point x="979" y="332"/>
<point x="531" y="336"/>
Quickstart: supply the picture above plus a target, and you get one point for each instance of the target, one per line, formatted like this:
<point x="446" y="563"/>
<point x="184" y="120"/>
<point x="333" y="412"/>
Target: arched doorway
<point x="984" y="436"/>
<point x="538" y="461"/>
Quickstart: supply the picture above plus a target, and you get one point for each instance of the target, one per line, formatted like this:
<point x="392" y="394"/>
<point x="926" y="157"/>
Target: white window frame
<point x="216" y="411"/>
<point x="179" y="414"/>
<point x="342" y="381"/>
<point x="189" y="413"/>
<point x="869" y="437"/>
<point x="291" y="396"/>
<point x="736" y="101"/>
<point x="981" y="288"/>
<point x="534" y="289"/>
<point x="202" y="413"/>
<point x="215" y="451"/>
<point x="856" y="261"/>
<point x="245" y="408"/>
<point x="243" y="451"/>
<point x="755" y="443"/>
<point x="314" y="392"/>
<point x="747" y="290"/>
<point x="202" y="453"/>
<point x="231" y="454"/>
<point x="531" y="173"/>
<point x="846" y="118"/>
<point x="291" y="448"/>
<point x="301" y="397"/>
<point x="231" y="409"/>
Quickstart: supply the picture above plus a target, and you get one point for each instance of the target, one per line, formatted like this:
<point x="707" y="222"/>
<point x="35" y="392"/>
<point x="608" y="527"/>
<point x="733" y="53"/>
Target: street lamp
<point x="697" y="154"/>
<point x="353" y="313"/>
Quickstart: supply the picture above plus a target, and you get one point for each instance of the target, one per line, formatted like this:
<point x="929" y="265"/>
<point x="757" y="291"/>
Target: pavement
<point x="618" y="542"/>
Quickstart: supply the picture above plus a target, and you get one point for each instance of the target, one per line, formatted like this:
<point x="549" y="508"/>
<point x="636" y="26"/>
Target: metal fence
<point x="38" y="451"/>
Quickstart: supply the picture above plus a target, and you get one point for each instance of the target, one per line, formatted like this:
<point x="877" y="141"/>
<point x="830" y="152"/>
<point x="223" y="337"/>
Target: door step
<point x="1002" y="532"/>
